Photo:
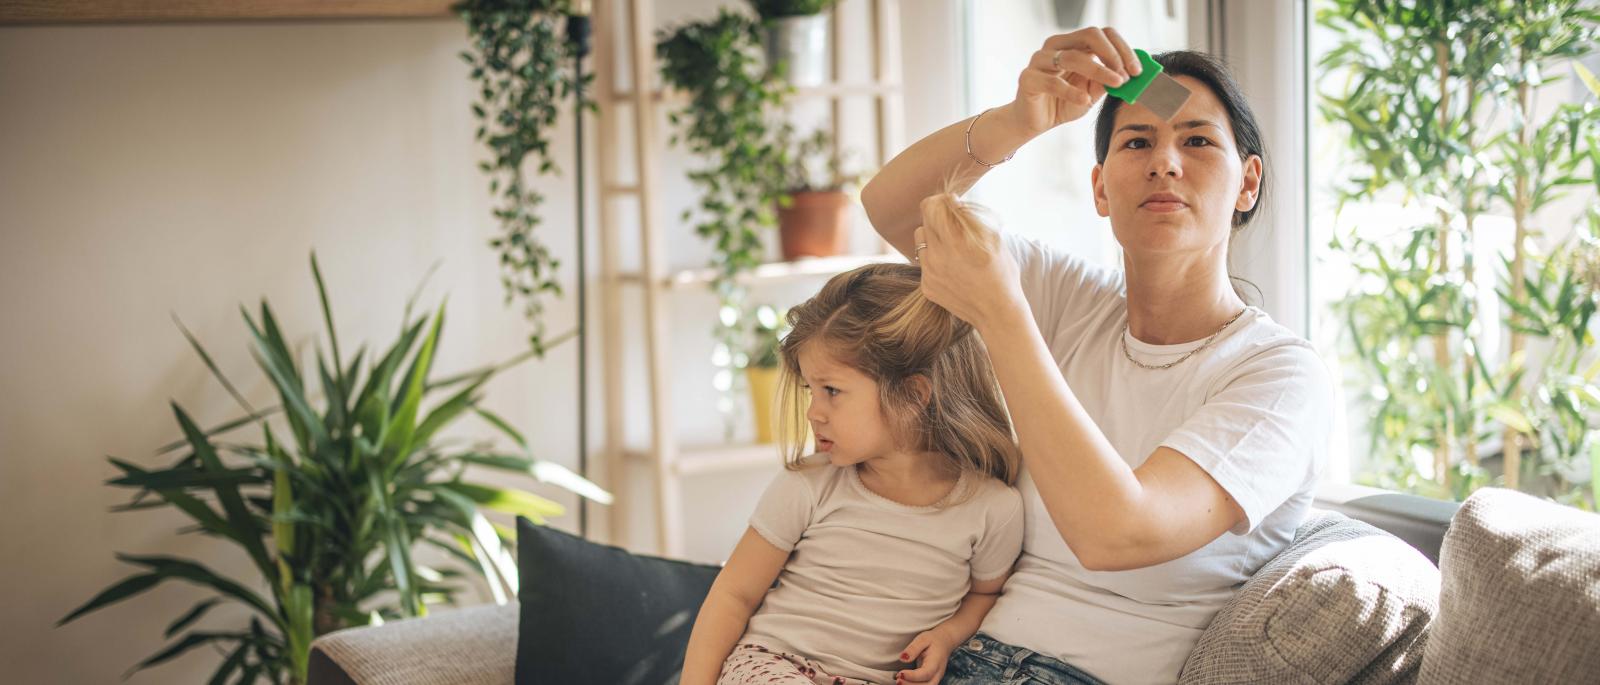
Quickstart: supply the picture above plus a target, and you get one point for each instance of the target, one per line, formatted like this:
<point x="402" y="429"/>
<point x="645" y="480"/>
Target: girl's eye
<point x="832" y="391"/>
<point x="1136" y="143"/>
<point x="1199" y="141"/>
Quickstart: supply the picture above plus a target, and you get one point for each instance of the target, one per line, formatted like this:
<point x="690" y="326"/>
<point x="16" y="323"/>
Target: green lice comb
<point x="1152" y="88"/>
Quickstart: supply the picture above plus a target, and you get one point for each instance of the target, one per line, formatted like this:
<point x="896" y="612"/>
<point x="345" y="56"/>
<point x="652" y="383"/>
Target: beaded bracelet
<point x="974" y="157"/>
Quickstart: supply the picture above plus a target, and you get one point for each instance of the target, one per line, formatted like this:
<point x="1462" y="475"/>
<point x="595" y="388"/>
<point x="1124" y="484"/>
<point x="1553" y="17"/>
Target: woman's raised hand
<point x="1068" y="75"/>
<point x="965" y="265"/>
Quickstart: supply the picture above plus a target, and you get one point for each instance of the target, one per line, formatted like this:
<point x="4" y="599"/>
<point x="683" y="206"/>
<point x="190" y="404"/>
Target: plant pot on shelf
<point x="764" y="400"/>
<point x="801" y="45"/>
<point x="815" y="224"/>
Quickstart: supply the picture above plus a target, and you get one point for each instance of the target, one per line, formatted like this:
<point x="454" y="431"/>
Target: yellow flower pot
<point x="764" y="401"/>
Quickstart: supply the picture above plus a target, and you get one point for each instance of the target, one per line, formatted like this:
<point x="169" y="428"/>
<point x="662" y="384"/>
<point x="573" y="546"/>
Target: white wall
<point x="188" y="169"/>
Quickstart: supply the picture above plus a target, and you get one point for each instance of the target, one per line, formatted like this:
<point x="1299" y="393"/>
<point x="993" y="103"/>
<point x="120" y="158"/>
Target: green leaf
<point x="170" y="567"/>
<point x="1511" y="416"/>
<point x="508" y="500"/>
<point x="398" y="442"/>
<point x="233" y="663"/>
<point x="452" y="408"/>
<point x="327" y="311"/>
<point x="124" y="589"/>
<point x="274" y="358"/>
<point x="239" y="519"/>
<point x="188" y="642"/>
<point x="191" y="616"/>
<point x="1587" y="77"/>
<point x="545" y="472"/>
<point x="206" y="358"/>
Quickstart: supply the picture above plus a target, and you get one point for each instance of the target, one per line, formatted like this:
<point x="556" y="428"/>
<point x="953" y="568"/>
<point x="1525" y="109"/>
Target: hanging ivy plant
<point x="719" y="64"/>
<point x="523" y="66"/>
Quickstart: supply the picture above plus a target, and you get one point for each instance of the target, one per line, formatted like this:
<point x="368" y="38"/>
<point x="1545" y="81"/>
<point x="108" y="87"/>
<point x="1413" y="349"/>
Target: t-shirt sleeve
<point x="1060" y="286"/>
<point x="1001" y="543"/>
<point x="1264" y="433"/>
<point x="784" y="511"/>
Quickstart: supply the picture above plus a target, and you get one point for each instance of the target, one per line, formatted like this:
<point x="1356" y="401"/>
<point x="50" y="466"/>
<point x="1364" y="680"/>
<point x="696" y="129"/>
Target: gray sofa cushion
<point x="1346" y="602"/>
<point x="1521" y="598"/>
<point x="476" y="646"/>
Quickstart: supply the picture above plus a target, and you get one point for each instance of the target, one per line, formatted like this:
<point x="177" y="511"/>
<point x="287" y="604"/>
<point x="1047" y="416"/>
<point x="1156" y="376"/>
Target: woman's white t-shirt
<point x="1253" y="410"/>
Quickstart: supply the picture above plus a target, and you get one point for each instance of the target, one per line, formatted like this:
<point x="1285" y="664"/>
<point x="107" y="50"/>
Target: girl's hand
<point x="1068" y="75"/>
<point x="965" y="267"/>
<point x="930" y="651"/>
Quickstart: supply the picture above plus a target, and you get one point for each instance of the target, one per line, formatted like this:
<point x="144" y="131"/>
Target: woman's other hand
<point x="1068" y="75"/>
<point x="965" y="265"/>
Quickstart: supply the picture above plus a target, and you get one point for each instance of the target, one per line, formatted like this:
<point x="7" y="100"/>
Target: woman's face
<point x="1173" y="186"/>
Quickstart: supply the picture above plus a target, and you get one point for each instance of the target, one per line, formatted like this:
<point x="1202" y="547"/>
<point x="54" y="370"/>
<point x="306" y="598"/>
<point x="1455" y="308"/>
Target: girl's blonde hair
<point x="876" y="320"/>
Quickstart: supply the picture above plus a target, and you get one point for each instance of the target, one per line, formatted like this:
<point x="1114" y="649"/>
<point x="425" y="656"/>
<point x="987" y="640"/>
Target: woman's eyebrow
<point x="1147" y="128"/>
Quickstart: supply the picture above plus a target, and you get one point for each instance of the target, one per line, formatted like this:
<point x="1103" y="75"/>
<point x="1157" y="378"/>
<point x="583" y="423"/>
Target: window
<point x="1456" y="375"/>
<point x="1044" y="192"/>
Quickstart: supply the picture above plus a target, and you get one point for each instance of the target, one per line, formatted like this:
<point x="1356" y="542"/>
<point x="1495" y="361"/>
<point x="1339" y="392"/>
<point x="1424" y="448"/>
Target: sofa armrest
<point x="475" y="646"/>
<point x="1420" y="521"/>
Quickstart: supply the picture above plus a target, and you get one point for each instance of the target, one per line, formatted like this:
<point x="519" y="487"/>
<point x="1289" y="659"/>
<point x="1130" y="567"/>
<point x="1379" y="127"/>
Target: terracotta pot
<point x="815" y="225"/>
<point x="763" y="400"/>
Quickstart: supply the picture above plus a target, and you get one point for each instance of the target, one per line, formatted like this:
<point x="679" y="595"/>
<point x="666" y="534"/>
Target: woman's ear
<point x="1250" y="187"/>
<point x="1097" y="179"/>
<point x="921" y="389"/>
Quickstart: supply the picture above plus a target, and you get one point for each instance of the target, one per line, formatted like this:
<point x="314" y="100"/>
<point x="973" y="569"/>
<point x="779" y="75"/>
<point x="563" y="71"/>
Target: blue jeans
<point x="984" y="660"/>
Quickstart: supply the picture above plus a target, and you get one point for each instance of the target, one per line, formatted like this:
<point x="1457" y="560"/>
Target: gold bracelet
<point x="974" y="157"/>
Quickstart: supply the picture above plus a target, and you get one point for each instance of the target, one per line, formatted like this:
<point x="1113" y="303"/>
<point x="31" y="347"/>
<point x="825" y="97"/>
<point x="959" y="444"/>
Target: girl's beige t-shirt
<point x="865" y="574"/>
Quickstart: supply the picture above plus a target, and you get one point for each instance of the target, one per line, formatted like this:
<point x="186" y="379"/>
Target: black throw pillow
<point x="598" y="614"/>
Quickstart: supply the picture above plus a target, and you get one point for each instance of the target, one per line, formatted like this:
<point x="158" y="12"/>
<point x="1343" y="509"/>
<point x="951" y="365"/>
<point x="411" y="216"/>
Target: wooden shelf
<point x="133" y="11"/>
<point x="720" y="458"/>
<point x="834" y="90"/>
<point x="774" y="272"/>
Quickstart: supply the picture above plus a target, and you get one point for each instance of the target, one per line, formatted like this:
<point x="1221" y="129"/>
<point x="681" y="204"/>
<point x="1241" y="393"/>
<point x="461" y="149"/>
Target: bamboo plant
<point x="1436" y="99"/>
<point x="348" y="476"/>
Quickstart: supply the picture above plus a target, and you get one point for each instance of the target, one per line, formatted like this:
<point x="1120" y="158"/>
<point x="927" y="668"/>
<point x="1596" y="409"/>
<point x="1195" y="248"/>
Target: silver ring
<point x="1055" y="60"/>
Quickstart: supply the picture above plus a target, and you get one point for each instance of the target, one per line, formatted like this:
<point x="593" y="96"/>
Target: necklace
<point x="1190" y="353"/>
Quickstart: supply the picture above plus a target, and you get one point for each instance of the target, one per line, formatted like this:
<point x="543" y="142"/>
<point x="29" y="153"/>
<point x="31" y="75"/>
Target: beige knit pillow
<point x="1521" y="598"/>
<point x="1345" y="603"/>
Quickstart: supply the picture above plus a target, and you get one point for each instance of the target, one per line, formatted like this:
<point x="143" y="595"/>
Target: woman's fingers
<point x="1092" y="40"/>
<point x="1074" y="61"/>
<point x="1130" y="61"/>
<point x="1035" y="81"/>
<point x="933" y="224"/>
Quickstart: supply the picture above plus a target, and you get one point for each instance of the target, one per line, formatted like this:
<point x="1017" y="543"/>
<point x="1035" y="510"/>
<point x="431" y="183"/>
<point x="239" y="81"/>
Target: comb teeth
<point x="1165" y="96"/>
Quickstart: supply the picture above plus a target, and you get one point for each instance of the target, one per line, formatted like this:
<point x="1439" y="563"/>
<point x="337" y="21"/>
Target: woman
<point x="1171" y="434"/>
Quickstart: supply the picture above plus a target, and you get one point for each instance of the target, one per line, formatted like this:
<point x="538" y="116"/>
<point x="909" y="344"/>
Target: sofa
<point x="1375" y="588"/>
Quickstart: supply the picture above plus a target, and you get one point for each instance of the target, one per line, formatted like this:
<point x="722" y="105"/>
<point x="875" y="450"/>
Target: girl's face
<point x="1172" y="186"/>
<point x="844" y="412"/>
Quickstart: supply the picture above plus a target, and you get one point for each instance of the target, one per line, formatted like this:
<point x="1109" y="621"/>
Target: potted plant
<point x="718" y="64"/>
<point x="796" y="38"/>
<point x="814" y="211"/>
<point x="343" y="483"/>
<point x="763" y="369"/>
<point x="523" y="65"/>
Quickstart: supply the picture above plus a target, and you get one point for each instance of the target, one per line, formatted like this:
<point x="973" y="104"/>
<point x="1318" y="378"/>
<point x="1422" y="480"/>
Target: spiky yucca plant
<point x="331" y="516"/>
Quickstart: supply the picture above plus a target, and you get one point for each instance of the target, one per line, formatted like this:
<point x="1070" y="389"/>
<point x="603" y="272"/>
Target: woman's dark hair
<point x="1212" y="72"/>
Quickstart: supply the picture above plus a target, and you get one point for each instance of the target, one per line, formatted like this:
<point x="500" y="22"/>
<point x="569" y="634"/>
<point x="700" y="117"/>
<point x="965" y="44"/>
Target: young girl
<point x="891" y="543"/>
